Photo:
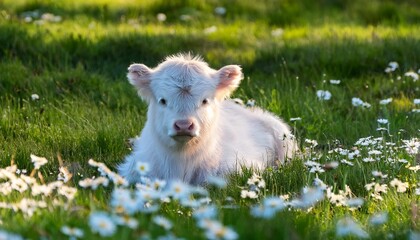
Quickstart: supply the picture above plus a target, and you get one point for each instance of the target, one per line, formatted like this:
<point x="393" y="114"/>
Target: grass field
<point x="64" y="96"/>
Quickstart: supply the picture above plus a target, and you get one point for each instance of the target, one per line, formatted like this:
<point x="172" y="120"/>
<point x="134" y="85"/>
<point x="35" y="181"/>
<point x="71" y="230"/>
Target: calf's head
<point x="183" y="94"/>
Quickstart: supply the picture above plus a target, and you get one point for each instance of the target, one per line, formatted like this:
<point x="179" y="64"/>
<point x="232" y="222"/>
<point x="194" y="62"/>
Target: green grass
<point x="87" y="109"/>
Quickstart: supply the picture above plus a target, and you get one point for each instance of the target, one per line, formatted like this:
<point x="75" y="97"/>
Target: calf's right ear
<point x="139" y="75"/>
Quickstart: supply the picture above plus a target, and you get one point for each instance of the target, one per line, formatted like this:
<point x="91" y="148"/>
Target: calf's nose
<point x="184" y="125"/>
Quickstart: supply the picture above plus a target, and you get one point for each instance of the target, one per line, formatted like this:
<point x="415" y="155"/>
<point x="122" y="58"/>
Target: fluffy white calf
<point x="192" y="132"/>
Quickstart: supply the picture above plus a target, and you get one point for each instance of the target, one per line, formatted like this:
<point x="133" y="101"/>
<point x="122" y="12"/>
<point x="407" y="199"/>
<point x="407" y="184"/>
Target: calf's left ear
<point x="229" y="78"/>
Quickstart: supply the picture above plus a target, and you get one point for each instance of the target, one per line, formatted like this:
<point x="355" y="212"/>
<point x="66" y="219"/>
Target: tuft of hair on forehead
<point x="184" y="68"/>
<point x="185" y="57"/>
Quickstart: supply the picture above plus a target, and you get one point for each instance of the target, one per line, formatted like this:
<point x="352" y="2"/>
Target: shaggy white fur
<point x="192" y="132"/>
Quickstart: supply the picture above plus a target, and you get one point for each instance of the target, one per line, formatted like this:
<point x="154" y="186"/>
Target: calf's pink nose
<point x="184" y="125"/>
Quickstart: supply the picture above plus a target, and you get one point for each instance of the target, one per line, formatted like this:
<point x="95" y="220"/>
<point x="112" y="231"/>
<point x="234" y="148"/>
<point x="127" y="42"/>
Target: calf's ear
<point x="139" y="75"/>
<point x="229" y="78"/>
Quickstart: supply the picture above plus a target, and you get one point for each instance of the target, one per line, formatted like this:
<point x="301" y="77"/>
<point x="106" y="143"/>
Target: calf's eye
<point x="162" y="101"/>
<point x="205" y="101"/>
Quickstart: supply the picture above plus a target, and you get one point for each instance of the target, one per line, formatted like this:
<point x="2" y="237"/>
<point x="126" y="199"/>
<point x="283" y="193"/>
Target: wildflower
<point x="295" y="119"/>
<point x="316" y="169"/>
<point x="412" y="146"/>
<point x="161" y="17"/>
<point x="217" y="181"/>
<point x="101" y="223"/>
<point x="9" y="236"/>
<point x="416" y="110"/>
<point x="378" y="218"/>
<point x="368" y="159"/>
<point x="179" y="190"/>
<point x="392" y="66"/>
<point x="354" y="202"/>
<point x="185" y="17"/>
<point x="48" y="17"/>
<point x="320" y="184"/>
<point x="357" y="102"/>
<point x="278" y="32"/>
<point x="123" y="202"/>
<point x="382" y="121"/>
<point x="19" y="185"/>
<point x="379" y="174"/>
<point x="210" y="30"/>
<point x="73" y="233"/>
<point x="414" y="168"/>
<point x="401" y="186"/>
<point x="38" y="161"/>
<point x="413" y="234"/>
<point x="323" y="95"/>
<point x="64" y="174"/>
<point x="207" y="212"/>
<point x="218" y="231"/>
<point x="34" y="97"/>
<point x="163" y="222"/>
<point x="220" y="11"/>
<point x="413" y="75"/>
<point x="417" y="191"/>
<point x="347" y="226"/>
<point x="261" y="211"/>
<point x="380" y="188"/>
<point x="126" y="221"/>
<point x="142" y="168"/>
<point x="309" y="197"/>
<point x="250" y="103"/>
<point x="347" y="162"/>
<point x="68" y="192"/>
<point x="335" y="82"/>
<point x="94" y="183"/>
<point x="256" y="180"/>
<point x="313" y="143"/>
<point x="249" y="194"/>
<point x="385" y="101"/>
<point x="416" y="101"/>
<point x="336" y="199"/>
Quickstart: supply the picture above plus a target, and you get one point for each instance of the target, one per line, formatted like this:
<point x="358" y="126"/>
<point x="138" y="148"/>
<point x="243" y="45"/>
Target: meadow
<point x="343" y="74"/>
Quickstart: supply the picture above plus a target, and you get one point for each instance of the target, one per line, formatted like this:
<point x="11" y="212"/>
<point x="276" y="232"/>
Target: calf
<point x="192" y="132"/>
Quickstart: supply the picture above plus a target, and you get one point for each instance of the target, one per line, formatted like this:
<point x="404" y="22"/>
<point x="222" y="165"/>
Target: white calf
<point x="192" y="132"/>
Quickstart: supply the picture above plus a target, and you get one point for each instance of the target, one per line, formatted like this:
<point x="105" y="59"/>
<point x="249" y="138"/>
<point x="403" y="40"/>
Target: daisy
<point x="382" y="121"/>
<point x="347" y="226"/>
<point x="335" y="82"/>
<point x="207" y="212"/>
<point x="401" y="186"/>
<point x="142" y="168"/>
<point x="216" y="181"/>
<point x="38" y="161"/>
<point x="179" y="190"/>
<point x="392" y="66"/>
<point x="101" y="223"/>
<point x="385" y="101"/>
<point x="220" y="10"/>
<point x="73" y="233"/>
<point x="249" y="194"/>
<point x="323" y="95"/>
<point x="9" y="236"/>
<point x="126" y="221"/>
<point x="413" y="75"/>
<point x="163" y="222"/>
<point x="34" y="97"/>
<point x="355" y="202"/>
<point x="378" y="218"/>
